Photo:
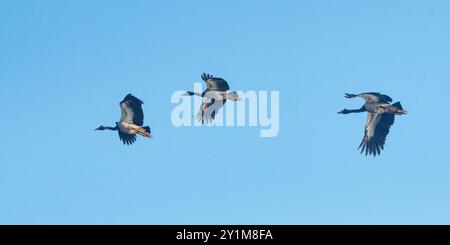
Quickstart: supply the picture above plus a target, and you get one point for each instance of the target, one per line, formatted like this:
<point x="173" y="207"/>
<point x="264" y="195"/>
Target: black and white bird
<point x="214" y="97"/>
<point x="131" y="121"/>
<point x="380" y="118"/>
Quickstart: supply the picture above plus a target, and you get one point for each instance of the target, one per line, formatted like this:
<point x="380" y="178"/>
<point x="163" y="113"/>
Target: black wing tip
<point x="130" y="97"/>
<point x="147" y="129"/>
<point x="128" y="142"/>
<point x="127" y="97"/>
<point x="383" y="97"/>
<point x="206" y="76"/>
<point x="127" y="139"/>
<point x="370" y="147"/>
<point x="387" y="98"/>
<point x="398" y="105"/>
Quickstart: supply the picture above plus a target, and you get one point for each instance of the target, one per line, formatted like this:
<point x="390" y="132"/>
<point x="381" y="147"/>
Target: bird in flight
<point x="380" y="118"/>
<point x="214" y="97"/>
<point x="131" y="120"/>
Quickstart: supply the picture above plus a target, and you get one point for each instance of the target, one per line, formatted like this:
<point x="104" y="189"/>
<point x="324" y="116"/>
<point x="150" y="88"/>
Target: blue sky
<point x="65" y="66"/>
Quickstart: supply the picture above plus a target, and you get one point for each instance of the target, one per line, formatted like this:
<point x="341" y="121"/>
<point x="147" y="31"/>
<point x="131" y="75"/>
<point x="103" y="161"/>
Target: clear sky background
<point x="65" y="66"/>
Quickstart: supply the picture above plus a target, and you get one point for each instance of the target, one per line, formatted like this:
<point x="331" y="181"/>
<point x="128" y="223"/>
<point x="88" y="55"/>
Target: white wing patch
<point x="207" y="110"/>
<point x="371" y="123"/>
<point x="370" y="98"/>
<point x="127" y="114"/>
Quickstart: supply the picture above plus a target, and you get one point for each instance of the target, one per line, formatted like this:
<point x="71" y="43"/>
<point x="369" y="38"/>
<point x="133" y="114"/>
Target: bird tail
<point x="349" y="96"/>
<point x="398" y="105"/>
<point x="144" y="131"/>
<point x="206" y="76"/>
<point x="397" y="108"/>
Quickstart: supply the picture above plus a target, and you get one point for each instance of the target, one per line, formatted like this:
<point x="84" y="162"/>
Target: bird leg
<point x="189" y="93"/>
<point x="400" y="112"/>
<point x="142" y="132"/>
<point x="233" y="96"/>
<point x="200" y="114"/>
<point x="135" y="129"/>
<point x="392" y="109"/>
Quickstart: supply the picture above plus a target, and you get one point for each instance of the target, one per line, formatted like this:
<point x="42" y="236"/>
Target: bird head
<point x="345" y="111"/>
<point x="234" y="96"/>
<point x="100" y="128"/>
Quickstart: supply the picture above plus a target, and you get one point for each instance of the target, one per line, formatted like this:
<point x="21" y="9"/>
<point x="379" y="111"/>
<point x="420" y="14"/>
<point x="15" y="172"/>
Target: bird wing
<point x="131" y="109"/>
<point x="376" y="130"/>
<point x="127" y="139"/>
<point x="215" y="83"/>
<point x="376" y="97"/>
<point x="209" y="109"/>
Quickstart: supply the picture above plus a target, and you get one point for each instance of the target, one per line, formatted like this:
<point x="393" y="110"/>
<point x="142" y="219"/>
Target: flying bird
<point x="214" y="97"/>
<point x="380" y="118"/>
<point x="131" y="121"/>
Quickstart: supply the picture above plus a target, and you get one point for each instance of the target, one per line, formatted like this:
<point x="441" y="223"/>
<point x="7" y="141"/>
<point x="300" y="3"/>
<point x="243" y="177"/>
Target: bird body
<point x="214" y="97"/>
<point x="215" y="83"/>
<point x="131" y="120"/>
<point x="380" y="117"/>
<point x="130" y="128"/>
<point x="380" y="108"/>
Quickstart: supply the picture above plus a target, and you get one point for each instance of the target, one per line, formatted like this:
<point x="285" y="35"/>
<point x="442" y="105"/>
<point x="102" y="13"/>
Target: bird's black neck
<point x="112" y="128"/>
<point x="362" y="109"/>
<point x="190" y="93"/>
<point x="346" y="111"/>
